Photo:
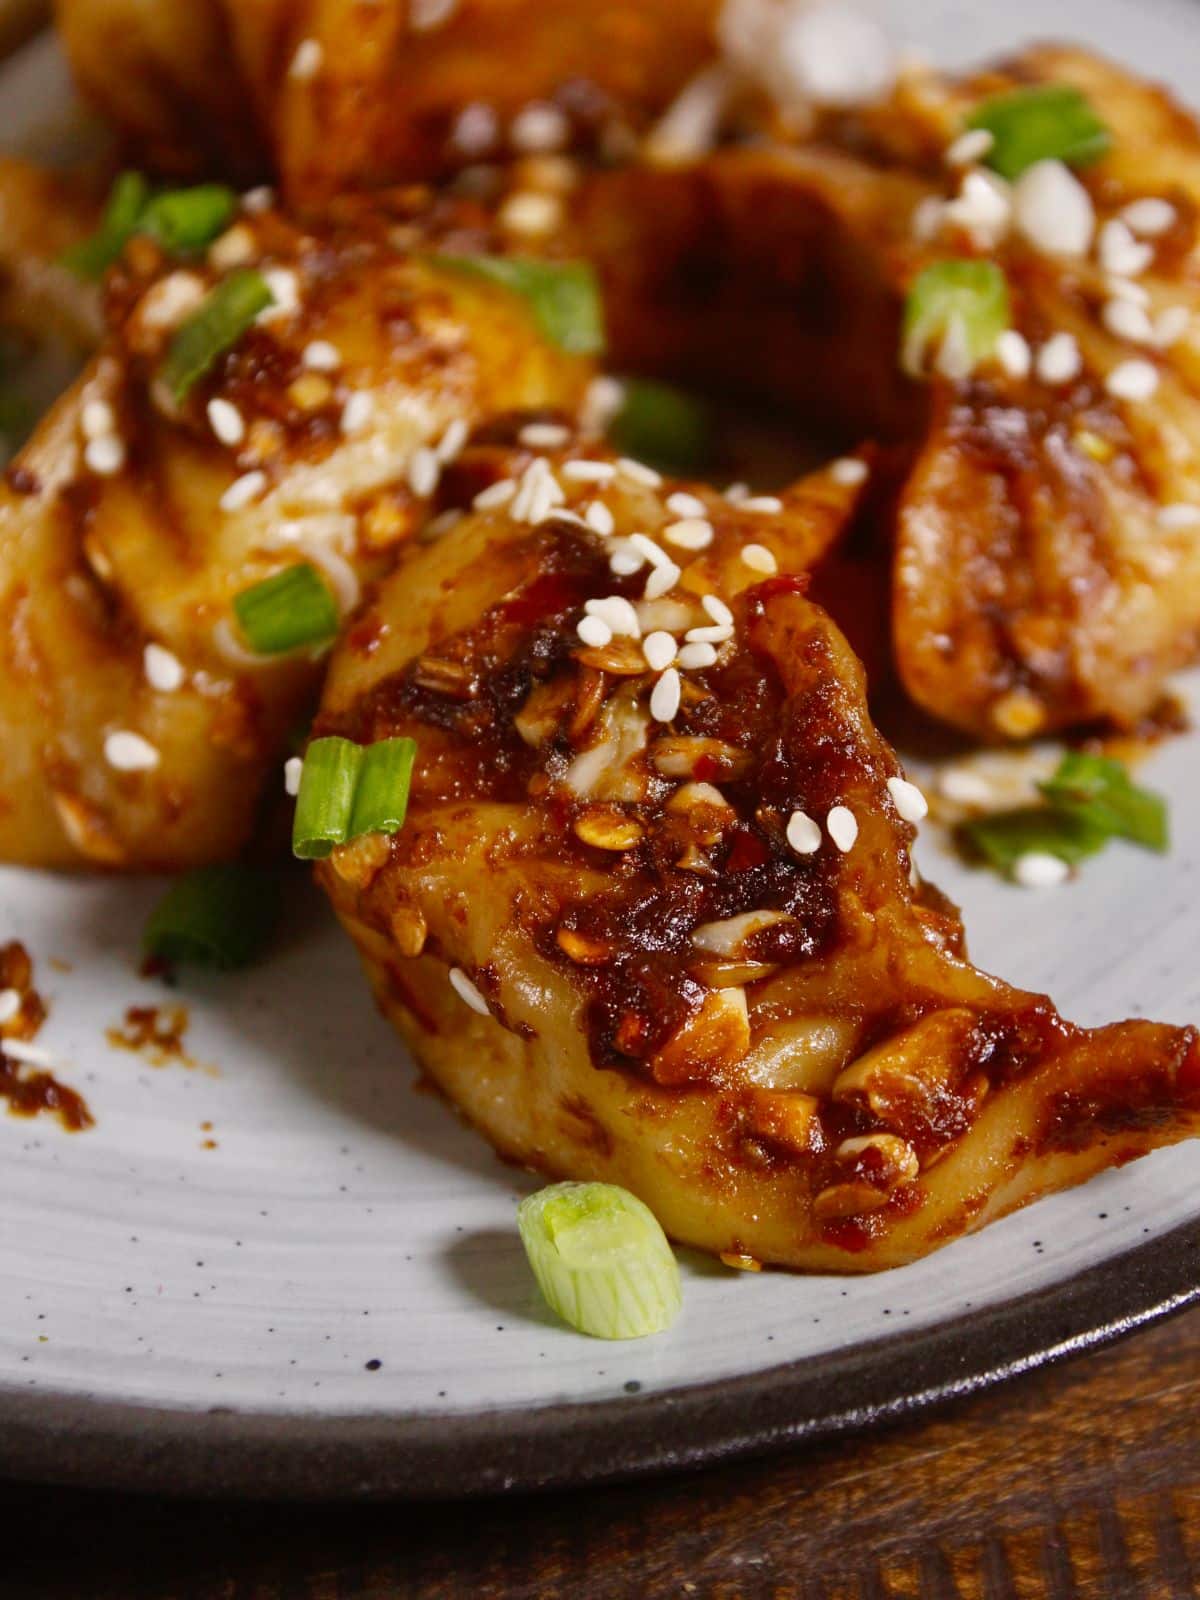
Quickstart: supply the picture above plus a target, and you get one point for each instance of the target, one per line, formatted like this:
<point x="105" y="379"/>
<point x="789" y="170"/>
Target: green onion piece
<point x="122" y="213"/>
<point x="601" y="1259"/>
<point x="186" y="220"/>
<point x="381" y="799"/>
<point x="292" y="609"/>
<point x="213" y="328"/>
<point x="326" y="800"/>
<point x="963" y="300"/>
<point x="218" y="917"/>
<point x="563" y="296"/>
<point x="1045" y="122"/>
<point x="662" y="425"/>
<point x="1004" y="838"/>
<point x="1098" y="791"/>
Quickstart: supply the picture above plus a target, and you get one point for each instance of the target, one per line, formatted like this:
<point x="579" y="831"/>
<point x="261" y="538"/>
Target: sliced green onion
<point x="1099" y="791"/>
<point x="1004" y="838"/>
<point x="214" y="327"/>
<point x="662" y="425"/>
<point x="122" y="213"/>
<point x="601" y="1259"/>
<point x="325" y="803"/>
<point x="1045" y="122"/>
<point x="218" y="917"/>
<point x="292" y="609"/>
<point x="963" y="301"/>
<point x="186" y="220"/>
<point x="381" y="799"/>
<point x="563" y="296"/>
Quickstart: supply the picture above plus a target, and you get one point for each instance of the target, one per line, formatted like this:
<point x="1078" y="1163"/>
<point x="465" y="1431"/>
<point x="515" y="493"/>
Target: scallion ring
<point x="214" y="327"/>
<point x="325" y="802"/>
<point x="563" y="296"/>
<point x="961" y="301"/>
<point x="293" y="609"/>
<point x="1042" y="122"/>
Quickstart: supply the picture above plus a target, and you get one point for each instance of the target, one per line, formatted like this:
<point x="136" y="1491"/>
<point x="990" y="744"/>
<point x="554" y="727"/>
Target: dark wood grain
<point x="1076" y="1483"/>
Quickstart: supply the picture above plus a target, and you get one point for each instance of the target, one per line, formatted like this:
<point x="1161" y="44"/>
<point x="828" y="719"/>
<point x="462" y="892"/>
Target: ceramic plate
<point x="281" y="1269"/>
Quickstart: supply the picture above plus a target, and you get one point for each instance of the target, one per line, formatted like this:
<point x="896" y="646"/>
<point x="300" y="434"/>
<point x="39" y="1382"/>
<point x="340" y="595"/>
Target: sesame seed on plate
<point x="163" y="670"/>
<point x="129" y="752"/>
<point x="665" y="696"/>
<point x="689" y="533"/>
<point x="639" y="472"/>
<point x="1037" y="869"/>
<point x="226" y="422"/>
<point x="803" y="834"/>
<point x="1059" y="360"/>
<point x="761" y="502"/>
<point x="1125" y="320"/>
<point x="681" y="504"/>
<point x="319" y="355"/>
<point x="466" y="990"/>
<point x="661" y="581"/>
<point x="1149" y="217"/>
<point x="843" y="827"/>
<point x="908" y="799"/>
<point x="1179" y="516"/>
<point x="32" y="1055"/>
<point x="659" y="649"/>
<point x="717" y="610"/>
<point x="357" y="412"/>
<point x="970" y="147"/>
<point x="538" y="127"/>
<point x="424" y="470"/>
<point x="583" y="471"/>
<point x="759" y="559"/>
<point x="1120" y="253"/>
<point x="449" y="446"/>
<point x="293" y="771"/>
<point x="594" y="631"/>
<point x="1013" y="353"/>
<point x="306" y="62"/>
<point x="104" y="456"/>
<point x="495" y="495"/>
<point x="10" y="1004"/>
<point x="531" y="213"/>
<point x="97" y="419"/>
<point x="618" y="613"/>
<point x="965" y="787"/>
<point x="697" y="655"/>
<point x="1132" y="380"/>
<point x="243" y="490"/>
<point x="848" y="471"/>
<point x="600" y="519"/>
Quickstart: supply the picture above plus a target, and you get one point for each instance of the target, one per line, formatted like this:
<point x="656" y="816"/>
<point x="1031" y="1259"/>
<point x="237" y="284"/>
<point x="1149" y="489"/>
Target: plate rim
<point x="60" y="1437"/>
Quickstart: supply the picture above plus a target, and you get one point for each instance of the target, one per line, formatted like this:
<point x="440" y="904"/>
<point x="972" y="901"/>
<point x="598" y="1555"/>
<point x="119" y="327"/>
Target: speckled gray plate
<point x="283" y="1270"/>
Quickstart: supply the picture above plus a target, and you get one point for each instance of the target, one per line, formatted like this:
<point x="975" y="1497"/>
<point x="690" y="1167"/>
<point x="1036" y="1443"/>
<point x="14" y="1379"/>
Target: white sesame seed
<point x="654" y="555"/>
<point x="1149" y="217"/>
<point x="1037" y="869"/>
<point x="129" y="752"/>
<point x="539" y="127"/>
<point x="602" y="399"/>
<point x="659" y="650"/>
<point x="97" y="419"/>
<point x="306" y="62"/>
<point x="531" y="213"/>
<point x="1127" y="289"/>
<point x="908" y="799"/>
<point x="236" y="247"/>
<point x="1124" y="320"/>
<point x="449" y="446"/>
<point x="1053" y="209"/>
<point x="664" y="698"/>
<point x="690" y="533"/>
<point x="31" y="1054"/>
<point x="759" y="559"/>
<point x="927" y="218"/>
<point x="769" y="503"/>
<point x="661" y="581"/>
<point x="1120" y="253"/>
<point x="618" y="613"/>
<point x="357" y="412"/>
<point x="1132" y="380"/>
<point x="1171" y="325"/>
<point x="167" y="302"/>
<point x="424" y="470"/>
<point x="681" y="504"/>
<point x="105" y="456"/>
<point x="466" y="990"/>
<point x="984" y="207"/>
<point x="737" y="493"/>
<point x="717" y="610"/>
<point x="970" y="147"/>
<point x="1013" y="353"/>
<point x="692" y="657"/>
<point x="256" y="201"/>
<point x="476" y="129"/>
<point x="1059" y="360"/>
<point x="164" y="671"/>
<point x="594" y="631"/>
<point x="803" y="834"/>
<point x="293" y="771"/>
<point x="639" y="472"/>
<point x="848" y="471"/>
<point x="1179" y="516"/>
<point x="600" y="519"/>
<point x="717" y="634"/>
<point x="10" y="1004"/>
<point x="544" y="435"/>
<point x="285" y="294"/>
<point x="589" y="471"/>
<point x="625" y="560"/>
<point x="321" y="356"/>
<point x="964" y="787"/>
<point x="243" y="490"/>
<point x="843" y="827"/>
<point x="495" y="495"/>
<point x="225" y="420"/>
<point x="425" y="15"/>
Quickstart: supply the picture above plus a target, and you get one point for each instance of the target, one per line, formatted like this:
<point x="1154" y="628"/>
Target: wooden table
<point x="1082" y="1481"/>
